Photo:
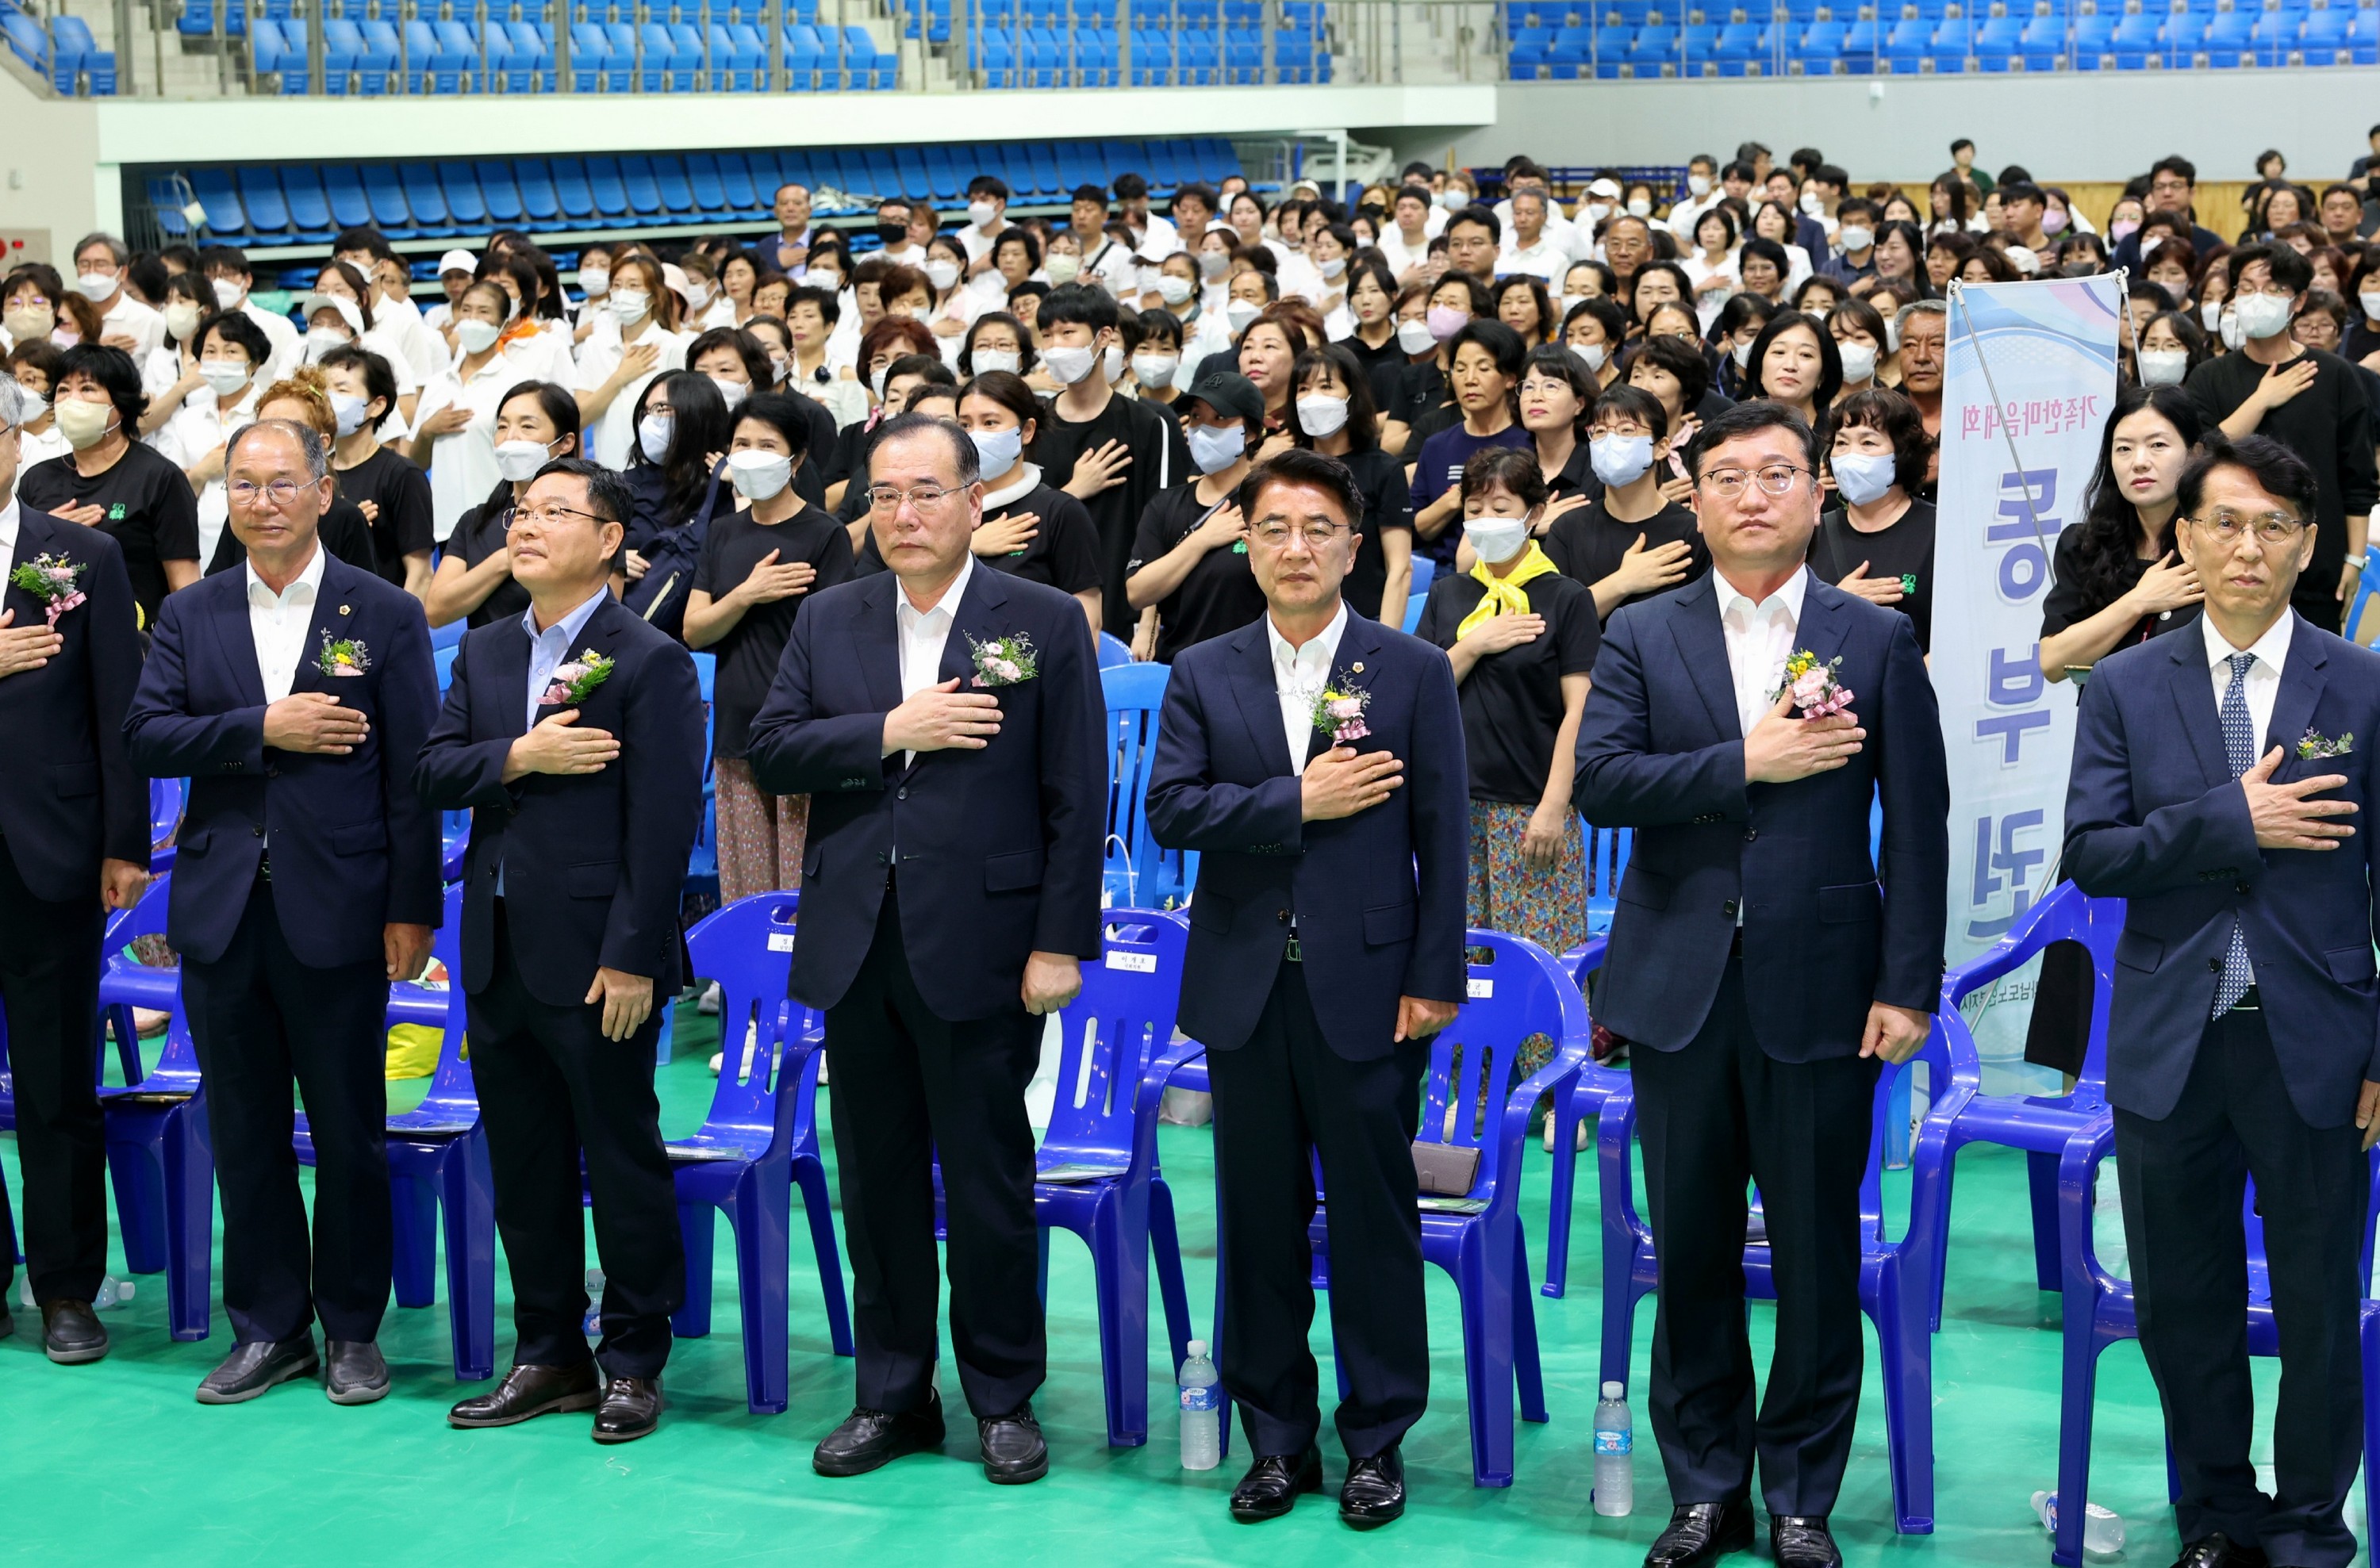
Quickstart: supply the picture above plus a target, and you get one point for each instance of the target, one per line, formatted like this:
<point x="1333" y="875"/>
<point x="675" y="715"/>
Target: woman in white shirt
<point x="1711" y="265"/>
<point x="336" y="314"/>
<point x="456" y="438"/>
<point x="1773" y="222"/>
<point x="945" y="267"/>
<point x="217" y="401"/>
<point x="615" y="368"/>
<point x="739" y="275"/>
<point x="539" y="343"/>
<point x="190" y="299"/>
<point x="35" y="367"/>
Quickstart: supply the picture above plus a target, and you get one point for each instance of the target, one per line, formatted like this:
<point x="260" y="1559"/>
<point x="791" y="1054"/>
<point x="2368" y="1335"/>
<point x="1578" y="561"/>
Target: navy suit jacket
<point x="593" y="863"/>
<point x="2154" y="817"/>
<point x="1000" y="849"/>
<point x="1661" y="750"/>
<point x="1377" y="897"/>
<point x="353" y="849"/>
<point x="68" y="795"/>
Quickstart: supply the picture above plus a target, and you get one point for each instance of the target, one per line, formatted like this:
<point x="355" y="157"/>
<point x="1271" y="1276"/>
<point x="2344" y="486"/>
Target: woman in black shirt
<point x="1029" y="528"/>
<point x="1332" y="412"/>
<point x="1522" y="638"/>
<point x="1879" y="544"/>
<point x="757" y="568"/>
<point x="537" y="422"/>
<point x="362" y="390"/>
<point x="2118" y="579"/>
<point x="304" y="400"/>
<point x="1631" y="542"/>
<point x="1189" y="578"/>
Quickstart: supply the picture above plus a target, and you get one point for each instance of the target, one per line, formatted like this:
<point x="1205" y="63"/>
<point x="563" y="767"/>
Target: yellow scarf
<point x="1505" y="594"/>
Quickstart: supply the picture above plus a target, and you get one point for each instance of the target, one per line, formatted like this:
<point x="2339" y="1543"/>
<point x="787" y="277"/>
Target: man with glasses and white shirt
<point x="294" y="693"/>
<point x="1764" y="965"/>
<point x="947" y="725"/>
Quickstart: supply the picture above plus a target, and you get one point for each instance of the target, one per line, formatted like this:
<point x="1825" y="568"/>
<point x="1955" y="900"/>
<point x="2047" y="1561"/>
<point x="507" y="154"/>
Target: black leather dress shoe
<point x="1274" y="1483"/>
<point x="353" y="1372"/>
<point x="2220" y="1551"/>
<point x="631" y="1408"/>
<point x="526" y="1392"/>
<point x="1702" y="1533"/>
<point x="252" y="1368"/>
<point x="1375" y="1490"/>
<point x="70" y="1333"/>
<point x="868" y="1439"/>
<point x="1802" y="1541"/>
<point x="1013" y="1451"/>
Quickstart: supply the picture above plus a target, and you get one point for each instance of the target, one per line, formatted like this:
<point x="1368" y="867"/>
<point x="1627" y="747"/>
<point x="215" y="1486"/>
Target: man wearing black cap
<point x="1190" y="558"/>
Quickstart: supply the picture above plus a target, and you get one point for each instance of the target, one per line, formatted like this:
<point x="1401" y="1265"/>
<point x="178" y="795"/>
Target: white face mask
<point x="876" y="379"/>
<point x="985" y="359"/>
<point x="1321" y="414"/>
<point x="734" y="392"/>
<point x="1742" y="354"/>
<point x="1215" y="448"/>
<point x="519" y="460"/>
<point x="1698" y="185"/>
<point x="1067" y="366"/>
<point x="654" y="433"/>
<point x="2262" y="315"/>
<point x="2210" y="315"/>
<point x="230" y="295"/>
<point x="1596" y="212"/>
<point x="476" y="337"/>
<point x="2163" y="366"/>
<point x="2371" y="306"/>
<point x="756" y="475"/>
<point x="1640" y="208"/>
<point x="1620" y="460"/>
<point x="1238" y="313"/>
<point x="1335" y="267"/>
<point x="350" y="411"/>
<point x="1452" y="199"/>
<point x="1862" y="476"/>
<point x="1213" y="263"/>
<point x="1173" y="290"/>
<point x="781" y="369"/>
<point x="1156" y="370"/>
<point x="319" y="340"/>
<point x="628" y="305"/>
<point x="997" y="450"/>
<point x="1857" y="236"/>
<point x="181" y="320"/>
<point x="1859" y="361"/>
<point x="33" y="402"/>
<point x="594" y="280"/>
<point x="1592" y="355"/>
<point x="2230" y="333"/>
<point x="224" y="377"/>
<point x="1414" y="337"/>
<point x="1064" y="269"/>
<point x="942" y="273"/>
<point x="1811" y="204"/>
<point x="981" y="213"/>
<point x="1496" y="539"/>
<point x="96" y="287"/>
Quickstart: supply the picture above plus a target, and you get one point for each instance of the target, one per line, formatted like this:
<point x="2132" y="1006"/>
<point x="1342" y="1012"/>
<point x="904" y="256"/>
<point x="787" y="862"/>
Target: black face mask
<point x="895" y="235"/>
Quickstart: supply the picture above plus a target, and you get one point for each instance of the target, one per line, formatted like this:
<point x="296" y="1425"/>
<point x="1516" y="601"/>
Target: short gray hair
<point x="962" y="445"/>
<point x="13" y="401"/>
<point x="1921" y="307"/>
<point x="309" y="440"/>
<point x="123" y="257"/>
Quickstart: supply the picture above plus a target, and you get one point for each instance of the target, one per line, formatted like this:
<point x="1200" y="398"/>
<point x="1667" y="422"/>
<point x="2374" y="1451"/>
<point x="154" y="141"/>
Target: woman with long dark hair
<point x="1331" y="411"/>
<point x="2118" y="579"/>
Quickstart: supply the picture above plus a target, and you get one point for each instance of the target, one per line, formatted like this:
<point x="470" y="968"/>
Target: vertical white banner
<point x="2030" y="381"/>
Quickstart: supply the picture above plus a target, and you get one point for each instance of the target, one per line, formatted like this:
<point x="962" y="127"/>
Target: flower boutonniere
<point x="1004" y="662"/>
<point x="574" y="679"/>
<point x="1339" y="711"/>
<point x="54" y="580"/>
<point x="1812" y="686"/>
<point x="347" y="656"/>
<point x="2316" y="744"/>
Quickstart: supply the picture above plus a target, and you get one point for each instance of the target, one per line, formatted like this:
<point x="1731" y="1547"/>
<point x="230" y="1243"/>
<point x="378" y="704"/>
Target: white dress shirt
<point x="279" y="622"/>
<point x="1298" y="676"/>
<point x="926" y="634"/>
<point x="1759" y="640"/>
<point x="143" y="324"/>
<point x="551" y="649"/>
<point x="9" y="516"/>
<point x="2263" y="685"/>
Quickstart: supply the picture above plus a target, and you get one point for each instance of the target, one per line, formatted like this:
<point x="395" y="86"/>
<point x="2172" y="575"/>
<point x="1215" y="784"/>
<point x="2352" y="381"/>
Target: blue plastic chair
<point x="1519" y="991"/>
<point x="159" y="1155"/>
<point x="758" y="1140"/>
<point x="1584" y="1099"/>
<point x="2363" y="587"/>
<point x="1098" y="1161"/>
<point x="2099" y="1311"/>
<point x="1895" y="1279"/>
<point x="165" y="819"/>
<point x="1114" y="651"/>
<point x="2041" y="1125"/>
<point x="1424" y="570"/>
<point x="1139" y="871"/>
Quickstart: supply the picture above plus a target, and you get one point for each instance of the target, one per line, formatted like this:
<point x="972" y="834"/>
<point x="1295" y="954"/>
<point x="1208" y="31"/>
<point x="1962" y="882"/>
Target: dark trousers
<point x="1716" y="1115"/>
<point x="49" y="983"/>
<point x="552" y="1090"/>
<point x="910" y="1087"/>
<point x="1281" y="1094"/>
<point x="2183" y="1181"/>
<point x="258" y="1017"/>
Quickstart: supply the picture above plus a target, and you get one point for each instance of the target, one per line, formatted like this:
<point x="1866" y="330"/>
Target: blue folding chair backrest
<point x="1607" y="863"/>
<point x="1139" y="871"/>
<point x="452" y="1103"/>
<point x="1424" y="570"/>
<point x="1108" y="1035"/>
<point x="747" y="947"/>
<point x="1515" y="990"/>
<point x="1114" y="651"/>
<point x="164" y="817"/>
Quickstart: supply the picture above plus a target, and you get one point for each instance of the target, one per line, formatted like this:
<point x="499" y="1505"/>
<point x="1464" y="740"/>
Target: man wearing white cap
<point x="1601" y="202"/>
<point x="455" y="270"/>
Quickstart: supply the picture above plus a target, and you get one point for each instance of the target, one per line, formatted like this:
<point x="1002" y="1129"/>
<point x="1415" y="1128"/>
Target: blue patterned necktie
<point x="2239" y="751"/>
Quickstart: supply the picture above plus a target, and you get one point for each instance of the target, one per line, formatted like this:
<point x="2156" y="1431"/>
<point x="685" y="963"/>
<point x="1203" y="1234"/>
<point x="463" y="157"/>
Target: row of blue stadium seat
<point x="450" y="58"/>
<point x="261" y="204"/>
<point x="2141" y="40"/>
<point x="66" y="54"/>
<point x="1047" y="57"/>
<point x="1520" y="17"/>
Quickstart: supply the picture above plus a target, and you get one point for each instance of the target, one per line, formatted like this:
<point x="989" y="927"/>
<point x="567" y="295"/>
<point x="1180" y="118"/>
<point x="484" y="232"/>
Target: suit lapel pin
<point x="1356" y="668"/>
<point x="343" y="609"/>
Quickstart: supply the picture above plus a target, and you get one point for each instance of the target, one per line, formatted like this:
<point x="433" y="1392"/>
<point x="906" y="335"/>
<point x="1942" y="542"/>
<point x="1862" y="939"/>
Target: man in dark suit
<point x="2217" y="778"/>
<point x="74" y="844"/>
<point x="574" y="735"/>
<point x="1759" y="968"/>
<point x="947" y="725"/>
<point x="294" y="694"/>
<point x="1326" y="945"/>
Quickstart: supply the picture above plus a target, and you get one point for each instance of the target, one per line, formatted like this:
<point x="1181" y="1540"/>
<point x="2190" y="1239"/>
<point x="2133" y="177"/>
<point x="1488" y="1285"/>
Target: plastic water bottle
<point x="1615" y="1440"/>
<point x="592" y="1324"/>
<point x="1202" y="1411"/>
<point x="2103" y="1530"/>
<point x="113" y="1293"/>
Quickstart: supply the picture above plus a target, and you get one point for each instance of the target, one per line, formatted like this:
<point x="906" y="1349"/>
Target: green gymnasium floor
<point x="117" y="1464"/>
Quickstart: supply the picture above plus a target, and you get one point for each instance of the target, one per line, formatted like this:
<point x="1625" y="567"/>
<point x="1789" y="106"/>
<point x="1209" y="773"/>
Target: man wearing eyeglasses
<point x="294" y="693"/>
<point x="572" y="735"/>
<point x="946" y="723"/>
<point x="1763" y="967"/>
<point x="1313" y="759"/>
<point x="2217" y="786"/>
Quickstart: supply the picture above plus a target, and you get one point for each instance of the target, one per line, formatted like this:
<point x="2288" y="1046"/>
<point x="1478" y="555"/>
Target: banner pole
<point x="1958" y="303"/>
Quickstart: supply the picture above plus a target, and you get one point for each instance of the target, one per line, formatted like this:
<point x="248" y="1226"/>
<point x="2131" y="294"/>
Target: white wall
<point x="2096" y="126"/>
<point x="47" y="157"/>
